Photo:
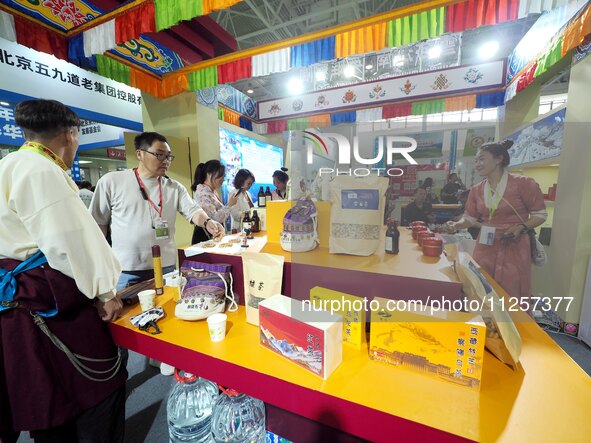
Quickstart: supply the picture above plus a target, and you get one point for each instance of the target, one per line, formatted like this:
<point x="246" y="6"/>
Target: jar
<point x="422" y="235"/>
<point x="238" y="418"/>
<point x="417" y="229"/>
<point x="417" y="223"/>
<point x="432" y="247"/>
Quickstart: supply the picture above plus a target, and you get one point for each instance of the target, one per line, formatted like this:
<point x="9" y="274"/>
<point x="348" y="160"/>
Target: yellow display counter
<point x="547" y="399"/>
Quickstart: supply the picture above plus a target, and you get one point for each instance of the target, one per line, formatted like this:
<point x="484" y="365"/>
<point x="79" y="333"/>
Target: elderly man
<point x="61" y="376"/>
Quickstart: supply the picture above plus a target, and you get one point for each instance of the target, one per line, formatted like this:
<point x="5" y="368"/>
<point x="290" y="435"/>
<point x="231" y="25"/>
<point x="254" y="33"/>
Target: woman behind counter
<point x="209" y="177"/>
<point x="280" y="179"/>
<point x="508" y="206"/>
<point x="243" y="181"/>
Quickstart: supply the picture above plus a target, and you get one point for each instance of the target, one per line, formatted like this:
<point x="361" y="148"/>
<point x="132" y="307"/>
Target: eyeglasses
<point x="159" y="156"/>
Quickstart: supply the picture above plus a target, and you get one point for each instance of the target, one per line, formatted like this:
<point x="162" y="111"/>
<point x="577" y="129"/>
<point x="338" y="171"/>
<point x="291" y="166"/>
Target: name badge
<point x="487" y="235"/>
<point x="161" y="230"/>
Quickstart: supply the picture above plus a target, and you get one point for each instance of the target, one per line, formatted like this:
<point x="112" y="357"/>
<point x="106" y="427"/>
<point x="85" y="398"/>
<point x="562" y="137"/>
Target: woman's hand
<point x="450" y="227"/>
<point x="514" y="232"/>
<point x="214" y="228"/>
<point x="233" y="200"/>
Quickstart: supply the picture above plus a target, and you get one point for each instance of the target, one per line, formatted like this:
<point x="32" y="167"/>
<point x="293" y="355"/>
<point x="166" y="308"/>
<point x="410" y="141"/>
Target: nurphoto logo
<point x="394" y="145"/>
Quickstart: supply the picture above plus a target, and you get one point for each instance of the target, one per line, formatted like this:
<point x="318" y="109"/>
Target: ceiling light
<point x="320" y="76"/>
<point x="4" y="103"/>
<point x="295" y="86"/>
<point x="434" y="52"/>
<point x="368" y="67"/>
<point x="249" y="91"/>
<point x="84" y="162"/>
<point x="488" y="50"/>
<point x="349" y="71"/>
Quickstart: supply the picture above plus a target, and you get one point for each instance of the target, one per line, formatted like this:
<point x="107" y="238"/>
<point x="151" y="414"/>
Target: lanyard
<point x="494" y="201"/>
<point x="144" y="192"/>
<point x="45" y="152"/>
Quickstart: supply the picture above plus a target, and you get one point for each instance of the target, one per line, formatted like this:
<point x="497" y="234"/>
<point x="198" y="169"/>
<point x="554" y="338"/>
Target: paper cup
<point x="147" y="299"/>
<point x="216" y="324"/>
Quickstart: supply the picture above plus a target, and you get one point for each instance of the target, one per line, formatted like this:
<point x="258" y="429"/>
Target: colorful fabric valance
<point x="369" y="115"/>
<point x="144" y="82"/>
<point x="169" y="13"/>
<point x="474" y="13"/>
<point x="271" y="62"/>
<point x="396" y="110"/>
<point x="463" y="103"/>
<point x="204" y="78"/>
<point x="173" y="85"/>
<point x="527" y="7"/>
<point x="428" y="107"/>
<point x="416" y="27"/>
<point x="550" y="57"/>
<point x="107" y="67"/>
<point x="577" y="31"/>
<point x="245" y="123"/>
<point x="360" y="41"/>
<point x="137" y="21"/>
<point x="490" y="100"/>
<point x="7" y="30"/>
<point x="277" y="126"/>
<point x="234" y="71"/>
<point x="99" y="39"/>
<point x="343" y="117"/>
<point x="313" y="52"/>
<point x="231" y="117"/>
<point x="319" y="120"/>
<point x="40" y="39"/>
<point x="297" y="124"/>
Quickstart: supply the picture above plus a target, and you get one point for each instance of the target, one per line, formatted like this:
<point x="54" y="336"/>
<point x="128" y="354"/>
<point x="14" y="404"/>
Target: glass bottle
<point x="255" y="222"/>
<point x="246" y="222"/>
<point x="262" y="199"/>
<point x="189" y="409"/>
<point x="268" y="196"/>
<point x="392" y="238"/>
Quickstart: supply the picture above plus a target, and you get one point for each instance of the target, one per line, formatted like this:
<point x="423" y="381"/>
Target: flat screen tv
<point x="240" y="151"/>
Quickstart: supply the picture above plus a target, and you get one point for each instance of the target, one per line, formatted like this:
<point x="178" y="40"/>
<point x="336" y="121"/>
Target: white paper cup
<point x="147" y="299"/>
<point x="216" y="324"/>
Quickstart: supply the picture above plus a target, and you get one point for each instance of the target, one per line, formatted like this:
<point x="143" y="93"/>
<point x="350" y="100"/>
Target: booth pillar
<point x="570" y="246"/>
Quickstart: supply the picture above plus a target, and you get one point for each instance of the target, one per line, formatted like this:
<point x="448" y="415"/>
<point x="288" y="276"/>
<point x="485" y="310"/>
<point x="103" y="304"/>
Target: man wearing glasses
<point x="140" y="206"/>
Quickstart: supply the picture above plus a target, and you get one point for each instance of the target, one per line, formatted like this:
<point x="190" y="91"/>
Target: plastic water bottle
<point x="189" y="409"/>
<point x="238" y="418"/>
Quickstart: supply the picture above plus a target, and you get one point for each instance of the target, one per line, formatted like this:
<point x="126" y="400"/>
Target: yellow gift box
<point x="444" y="345"/>
<point x="350" y="307"/>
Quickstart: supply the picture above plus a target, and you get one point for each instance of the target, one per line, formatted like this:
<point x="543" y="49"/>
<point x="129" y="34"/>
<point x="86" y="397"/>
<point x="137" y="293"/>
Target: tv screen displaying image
<point x="242" y="152"/>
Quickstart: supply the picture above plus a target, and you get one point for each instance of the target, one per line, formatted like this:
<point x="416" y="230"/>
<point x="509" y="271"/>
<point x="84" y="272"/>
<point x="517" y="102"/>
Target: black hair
<point x="45" y="118"/>
<point x="281" y="175"/>
<point x="144" y="140"/>
<point x="241" y="176"/>
<point x="84" y="185"/>
<point x="499" y="149"/>
<point x="452" y="174"/>
<point x="428" y="183"/>
<point x="214" y="167"/>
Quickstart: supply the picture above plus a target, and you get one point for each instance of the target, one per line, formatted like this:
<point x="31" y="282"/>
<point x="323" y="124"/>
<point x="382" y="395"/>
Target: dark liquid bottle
<point x="255" y="222"/>
<point x="268" y="196"/>
<point x="392" y="238"/>
<point x="246" y="222"/>
<point x="262" y="199"/>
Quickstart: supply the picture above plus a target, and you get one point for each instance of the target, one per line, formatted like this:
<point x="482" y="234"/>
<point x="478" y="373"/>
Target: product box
<point x="444" y="345"/>
<point x="350" y="307"/>
<point x="315" y="346"/>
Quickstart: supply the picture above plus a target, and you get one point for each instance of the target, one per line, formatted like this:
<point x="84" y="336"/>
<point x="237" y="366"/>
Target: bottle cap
<point x="155" y="251"/>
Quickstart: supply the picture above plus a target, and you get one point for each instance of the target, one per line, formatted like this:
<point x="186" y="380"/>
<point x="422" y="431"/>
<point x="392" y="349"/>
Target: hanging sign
<point x="457" y="80"/>
<point x="27" y="73"/>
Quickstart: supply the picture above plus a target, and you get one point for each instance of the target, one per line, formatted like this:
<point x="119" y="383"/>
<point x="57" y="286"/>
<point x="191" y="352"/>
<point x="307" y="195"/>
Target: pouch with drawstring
<point x="208" y="289"/>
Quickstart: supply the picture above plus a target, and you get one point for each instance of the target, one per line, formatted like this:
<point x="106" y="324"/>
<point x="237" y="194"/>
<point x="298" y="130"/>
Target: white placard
<point x="430" y="84"/>
<point x="26" y="73"/>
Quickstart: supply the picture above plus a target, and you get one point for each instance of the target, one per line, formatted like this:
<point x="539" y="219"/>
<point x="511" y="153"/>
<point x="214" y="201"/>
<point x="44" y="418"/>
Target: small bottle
<point x="268" y="196"/>
<point x="158" y="280"/>
<point x="255" y="221"/>
<point x="246" y="222"/>
<point x="392" y="239"/>
<point x="262" y="199"/>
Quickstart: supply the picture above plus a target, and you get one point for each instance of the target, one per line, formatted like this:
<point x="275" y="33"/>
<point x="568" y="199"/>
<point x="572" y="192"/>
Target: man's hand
<point x="215" y="229"/>
<point x="109" y="311"/>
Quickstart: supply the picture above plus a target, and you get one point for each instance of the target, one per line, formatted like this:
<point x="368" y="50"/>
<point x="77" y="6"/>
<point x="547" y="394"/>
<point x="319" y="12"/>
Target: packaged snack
<point x="263" y="275"/>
